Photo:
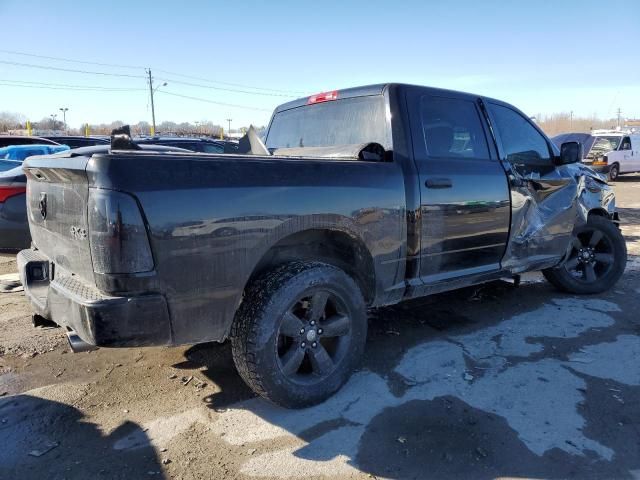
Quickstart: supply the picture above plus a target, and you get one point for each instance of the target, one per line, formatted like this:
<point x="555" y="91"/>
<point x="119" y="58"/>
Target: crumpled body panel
<point x="545" y="210"/>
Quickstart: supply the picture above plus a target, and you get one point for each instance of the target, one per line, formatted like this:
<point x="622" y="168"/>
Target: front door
<point x="629" y="162"/>
<point x="465" y="206"/>
<point x="542" y="195"/>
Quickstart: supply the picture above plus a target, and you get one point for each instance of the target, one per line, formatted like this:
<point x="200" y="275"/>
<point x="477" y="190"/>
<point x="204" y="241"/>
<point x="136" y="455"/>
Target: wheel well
<point x="329" y="246"/>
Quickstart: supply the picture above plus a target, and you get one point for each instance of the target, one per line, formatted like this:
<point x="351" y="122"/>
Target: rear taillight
<point x="117" y="234"/>
<point x="8" y="192"/>
<point x="323" y="97"/>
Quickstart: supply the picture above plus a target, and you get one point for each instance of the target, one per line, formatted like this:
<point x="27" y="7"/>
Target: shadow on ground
<point x="45" y="439"/>
<point x="478" y="383"/>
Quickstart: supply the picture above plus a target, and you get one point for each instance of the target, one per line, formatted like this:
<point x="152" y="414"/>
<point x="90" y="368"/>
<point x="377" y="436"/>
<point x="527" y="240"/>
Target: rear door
<point x="464" y="192"/>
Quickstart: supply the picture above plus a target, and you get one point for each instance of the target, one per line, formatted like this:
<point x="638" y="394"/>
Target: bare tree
<point x="557" y="123"/>
<point x="10" y="120"/>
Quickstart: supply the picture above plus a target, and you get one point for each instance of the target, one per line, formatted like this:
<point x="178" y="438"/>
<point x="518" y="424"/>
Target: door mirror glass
<point x="570" y="152"/>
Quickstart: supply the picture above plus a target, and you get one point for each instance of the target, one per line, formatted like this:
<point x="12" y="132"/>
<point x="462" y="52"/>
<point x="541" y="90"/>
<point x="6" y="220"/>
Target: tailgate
<point x="57" y="193"/>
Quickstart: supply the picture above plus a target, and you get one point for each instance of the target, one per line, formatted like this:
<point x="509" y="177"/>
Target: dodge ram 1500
<point x="357" y="198"/>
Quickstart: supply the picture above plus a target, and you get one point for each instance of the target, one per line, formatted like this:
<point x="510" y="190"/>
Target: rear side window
<point x="339" y="122"/>
<point x="452" y="128"/>
<point x="521" y="142"/>
<point x="212" y="148"/>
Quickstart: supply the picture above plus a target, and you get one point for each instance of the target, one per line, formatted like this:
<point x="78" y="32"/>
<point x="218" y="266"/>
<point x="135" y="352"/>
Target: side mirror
<point x="570" y="152"/>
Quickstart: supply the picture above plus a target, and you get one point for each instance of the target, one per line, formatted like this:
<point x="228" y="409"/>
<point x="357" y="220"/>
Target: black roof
<point x="377" y="89"/>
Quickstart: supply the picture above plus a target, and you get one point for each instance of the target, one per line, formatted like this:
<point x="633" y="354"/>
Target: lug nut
<point x="319" y="331"/>
<point x="301" y="331"/>
<point x="314" y="344"/>
<point x="312" y="322"/>
<point x="303" y="344"/>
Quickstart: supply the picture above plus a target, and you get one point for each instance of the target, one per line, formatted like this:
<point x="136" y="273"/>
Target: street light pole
<point x="571" y="120"/>
<point x="229" y="131"/>
<point x="53" y="120"/>
<point x="64" y="117"/>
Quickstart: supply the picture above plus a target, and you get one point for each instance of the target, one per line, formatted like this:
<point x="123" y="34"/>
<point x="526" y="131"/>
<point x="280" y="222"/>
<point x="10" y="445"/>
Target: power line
<point x="202" y="79"/>
<point x="71" y="89"/>
<point x="66" y="86"/>
<point x="47" y="67"/>
<point x="179" y="82"/>
<point x="135" y="67"/>
<point x="24" y="54"/>
<point x="164" y="92"/>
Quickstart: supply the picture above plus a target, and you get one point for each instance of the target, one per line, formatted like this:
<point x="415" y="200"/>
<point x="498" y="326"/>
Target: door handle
<point x="438" y="183"/>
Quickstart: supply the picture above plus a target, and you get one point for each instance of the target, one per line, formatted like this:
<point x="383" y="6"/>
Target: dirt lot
<point x="486" y="382"/>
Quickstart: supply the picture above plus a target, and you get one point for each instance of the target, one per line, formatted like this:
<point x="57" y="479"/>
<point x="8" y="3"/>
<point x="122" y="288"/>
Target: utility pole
<point x="619" y="112"/>
<point x="229" y="131"/>
<point x="571" y="120"/>
<point x="153" y="109"/>
<point x="64" y="117"/>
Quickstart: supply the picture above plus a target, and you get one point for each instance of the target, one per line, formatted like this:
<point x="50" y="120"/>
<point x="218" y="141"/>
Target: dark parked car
<point x="360" y="198"/>
<point x="204" y="145"/>
<point x="79" y="141"/>
<point x="7" y="140"/>
<point x="14" y="229"/>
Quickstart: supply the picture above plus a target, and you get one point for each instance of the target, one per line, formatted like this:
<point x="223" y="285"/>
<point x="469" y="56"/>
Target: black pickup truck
<point x="357" y="198"/>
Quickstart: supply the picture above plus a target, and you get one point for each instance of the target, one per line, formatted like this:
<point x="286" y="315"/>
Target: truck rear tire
<point x="299" y="333"/>
<point x="597" y="260"/>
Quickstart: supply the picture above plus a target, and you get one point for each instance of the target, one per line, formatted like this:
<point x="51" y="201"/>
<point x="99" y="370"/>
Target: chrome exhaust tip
<point x="78" y="345"/>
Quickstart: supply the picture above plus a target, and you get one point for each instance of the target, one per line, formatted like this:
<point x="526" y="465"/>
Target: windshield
<point x="602" y="146"/>
<point x="342" y="122"/>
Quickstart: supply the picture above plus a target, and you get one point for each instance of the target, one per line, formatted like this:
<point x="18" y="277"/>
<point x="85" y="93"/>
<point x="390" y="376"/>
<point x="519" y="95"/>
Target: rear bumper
<point x="97" y="318"/>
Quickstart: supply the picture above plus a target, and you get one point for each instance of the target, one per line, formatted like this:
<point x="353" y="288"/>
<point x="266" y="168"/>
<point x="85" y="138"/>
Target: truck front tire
<point x="299" y="333"/>
<point x="597" y="260"/>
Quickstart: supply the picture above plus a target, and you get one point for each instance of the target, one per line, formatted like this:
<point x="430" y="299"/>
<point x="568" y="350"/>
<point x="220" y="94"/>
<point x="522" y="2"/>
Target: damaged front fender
<point x="546" y="208"/>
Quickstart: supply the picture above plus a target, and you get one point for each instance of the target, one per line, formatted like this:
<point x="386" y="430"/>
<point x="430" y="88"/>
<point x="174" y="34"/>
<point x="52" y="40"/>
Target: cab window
<point x="626" y="144"/>
<point x="521" y="142"/>
<point x="451" y="128"/>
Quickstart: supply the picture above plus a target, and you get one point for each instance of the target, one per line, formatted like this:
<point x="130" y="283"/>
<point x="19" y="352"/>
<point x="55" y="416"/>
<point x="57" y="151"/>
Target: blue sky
<point x="542" y="56"/>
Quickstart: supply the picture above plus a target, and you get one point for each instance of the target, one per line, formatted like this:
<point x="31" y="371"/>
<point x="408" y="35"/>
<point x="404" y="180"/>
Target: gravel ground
<point x="485" y="382"/>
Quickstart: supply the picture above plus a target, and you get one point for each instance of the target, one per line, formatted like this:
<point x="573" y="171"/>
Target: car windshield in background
<point x="341" y="122"/>
<point x="602" y="146"/>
